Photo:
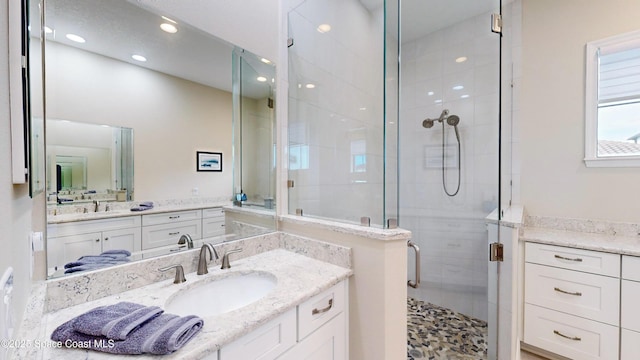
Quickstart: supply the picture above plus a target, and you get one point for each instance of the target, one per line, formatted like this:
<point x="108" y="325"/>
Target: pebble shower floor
<point x="437" y="333"/>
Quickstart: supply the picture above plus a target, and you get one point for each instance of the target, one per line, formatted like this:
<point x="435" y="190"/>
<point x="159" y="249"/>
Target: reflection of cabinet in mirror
<point x="69" y="241"/>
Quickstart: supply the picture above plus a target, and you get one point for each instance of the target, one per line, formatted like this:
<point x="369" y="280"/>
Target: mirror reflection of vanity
<point x="156" y="115"/>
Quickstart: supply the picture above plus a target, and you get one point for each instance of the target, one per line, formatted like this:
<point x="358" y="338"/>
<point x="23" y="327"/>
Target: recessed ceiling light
<point x="170" y="28"/>
<point x="323" y="28"/>
<point x="266" y="61"/>
<point x="47" y="30"/>
<point x="458" y="87"/>
<point x="438" y="101"/>
<point x="430" y="93"/>
<point x="169" y="20"/>
<point x="310" y="86"/>
<point x="464" y="96"/>
<point x="139" y="58"/>
<point x="105" y="126"/>
<point x="76" y="38"/>
<point x="461" y="59"/>
<point x="261" y="78"/>
<point x="363" y="108"/>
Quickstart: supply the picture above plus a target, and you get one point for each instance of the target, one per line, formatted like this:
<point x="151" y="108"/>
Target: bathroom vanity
<point x="305" y="314"/>
<point x="581" y="292"/>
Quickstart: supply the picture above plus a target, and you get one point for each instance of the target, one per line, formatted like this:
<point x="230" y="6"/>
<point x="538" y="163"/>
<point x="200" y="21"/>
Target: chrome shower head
<point x="427" y="123"/>
<point x="453" y="120"/>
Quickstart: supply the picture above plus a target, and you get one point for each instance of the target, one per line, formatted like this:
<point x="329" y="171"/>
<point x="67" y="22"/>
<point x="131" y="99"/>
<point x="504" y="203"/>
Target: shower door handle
<point x="417" y="251"/>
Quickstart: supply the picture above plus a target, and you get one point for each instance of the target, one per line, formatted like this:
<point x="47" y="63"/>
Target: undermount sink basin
<point x="222" y="295"/>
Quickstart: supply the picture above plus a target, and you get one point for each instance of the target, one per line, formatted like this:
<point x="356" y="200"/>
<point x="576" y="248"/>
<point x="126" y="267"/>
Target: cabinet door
<point x="326" y="343"/>
<point x="265" y="343"/>
<point x="76" y="246"/>
<point x="126" y="239"/>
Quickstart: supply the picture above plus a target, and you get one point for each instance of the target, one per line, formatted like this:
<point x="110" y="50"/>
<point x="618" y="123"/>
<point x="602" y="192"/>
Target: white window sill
<point x="613" y="162"/>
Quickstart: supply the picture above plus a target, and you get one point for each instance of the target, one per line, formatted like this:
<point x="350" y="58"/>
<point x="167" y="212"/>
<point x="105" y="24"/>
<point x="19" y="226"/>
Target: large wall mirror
<point x="131" y="96"/>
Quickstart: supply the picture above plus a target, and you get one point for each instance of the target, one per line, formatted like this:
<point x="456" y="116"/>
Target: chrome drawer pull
<point x="316" y="311"/>
<point x="567" y="337"/>
<point x="174" y="233"/>
<point x="567" y="292"/>
<point x="174" y="217"/>
<point x="570" y="259"/>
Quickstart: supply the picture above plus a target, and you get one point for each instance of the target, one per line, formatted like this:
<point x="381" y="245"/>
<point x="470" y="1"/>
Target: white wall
<point x="555" y="181"/>
<point x="171" y="119"/>
<point x="15" y="207"/>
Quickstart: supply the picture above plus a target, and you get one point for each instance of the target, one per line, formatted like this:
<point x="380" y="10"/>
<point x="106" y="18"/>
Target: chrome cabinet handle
<point x="575" y="338"/>
<point x="567" y="292"/>
<point x="174" y="233"/>
<point x="106" y="239"/>
<point x="97" y="240"/>
<point x="566" y="258"/>
<point x="316" y="311"/>
<point x="174" y="217"/>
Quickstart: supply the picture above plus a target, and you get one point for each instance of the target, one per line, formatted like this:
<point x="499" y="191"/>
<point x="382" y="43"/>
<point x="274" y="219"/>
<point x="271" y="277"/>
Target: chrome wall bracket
<point x="496" y="252"/>
<point x="299" y="212"/>
<point x="496" y="23"/>
<point x="365" y="221"/>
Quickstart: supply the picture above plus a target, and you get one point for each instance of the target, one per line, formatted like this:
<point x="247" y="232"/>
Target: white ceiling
<point x="119" y="29"/>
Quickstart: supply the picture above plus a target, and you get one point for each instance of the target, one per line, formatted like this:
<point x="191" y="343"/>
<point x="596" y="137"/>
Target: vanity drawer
<point x="573" y="259"/>
<point x="586" y="295"/>
<point x="631" y="267"/>
<point x="169" y="234"/>
<point x="83" y="227"/>
<point x="630" y="318"/>
<point x="171" y="217"/>
<point x="212" y="227"/>
<point x="321" y="308"/>
<point x="568" y="335"/>
<point x="265" y="343"/>
<point x="213" y="213"/>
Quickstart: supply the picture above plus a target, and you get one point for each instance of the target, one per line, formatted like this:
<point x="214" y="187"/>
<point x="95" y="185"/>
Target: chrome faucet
<point x="179" y="278"/>
<point x="202" y="259"/>
<point x="225" y="258"/>
<point x="97" y="205"/>
<point x="186" y="239"/>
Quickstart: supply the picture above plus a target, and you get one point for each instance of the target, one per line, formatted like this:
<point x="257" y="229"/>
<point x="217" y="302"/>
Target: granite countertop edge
<point x="617" y="244"/>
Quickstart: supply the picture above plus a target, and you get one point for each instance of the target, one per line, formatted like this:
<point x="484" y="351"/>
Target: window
<point x="613" y="102"/>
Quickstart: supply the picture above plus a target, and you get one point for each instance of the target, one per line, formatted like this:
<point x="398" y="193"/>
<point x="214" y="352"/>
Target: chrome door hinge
<point x="496" y="252"/>
<point x="496" y="23"/>
<point x="289" y="42"/>
<point x="289" y="183"/>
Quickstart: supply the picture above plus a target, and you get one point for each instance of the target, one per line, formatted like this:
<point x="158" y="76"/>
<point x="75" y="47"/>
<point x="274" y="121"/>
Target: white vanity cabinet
<point x="213" y="223"/>
<point x="166" y="228"/>
<point x="572" y="301"/>
<point x="67" y="242"/>
<point x="630" y="317"/>
<point x="314" y="330"/>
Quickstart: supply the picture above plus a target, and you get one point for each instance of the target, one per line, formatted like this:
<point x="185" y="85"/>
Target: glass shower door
<point x="449" y="172"/>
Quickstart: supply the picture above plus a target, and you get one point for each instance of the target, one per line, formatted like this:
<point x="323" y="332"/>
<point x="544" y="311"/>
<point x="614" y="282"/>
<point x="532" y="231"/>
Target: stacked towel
<point x="129" y="329"/>
<point x="92" y="262"/>
<point x="146" y="205"/>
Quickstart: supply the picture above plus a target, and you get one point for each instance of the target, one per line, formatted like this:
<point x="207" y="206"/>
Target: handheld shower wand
<point x="452" y="120"/>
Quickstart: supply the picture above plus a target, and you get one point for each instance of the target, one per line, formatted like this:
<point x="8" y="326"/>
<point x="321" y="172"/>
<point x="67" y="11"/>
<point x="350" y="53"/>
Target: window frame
<point x="591" y="158"/>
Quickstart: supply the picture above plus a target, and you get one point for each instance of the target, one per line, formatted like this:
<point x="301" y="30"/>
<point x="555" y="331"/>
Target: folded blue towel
<point x="115" y="321"/>
<point x="145" y="205"/>
<point x="88" y="267"/>
<point x="117" y="252"/>
<point x="161" y="335"/>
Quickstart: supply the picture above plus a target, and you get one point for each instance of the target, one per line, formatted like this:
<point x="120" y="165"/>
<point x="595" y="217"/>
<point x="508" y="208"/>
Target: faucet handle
<point x="225" y="258"/>
<point x="179" y="273"/>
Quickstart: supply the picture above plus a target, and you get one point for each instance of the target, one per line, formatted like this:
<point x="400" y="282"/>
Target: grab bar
<point x="417" y="251"/>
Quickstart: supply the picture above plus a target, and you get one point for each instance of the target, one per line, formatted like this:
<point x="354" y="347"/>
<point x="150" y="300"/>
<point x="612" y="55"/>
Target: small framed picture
<point x="208" y="161"/>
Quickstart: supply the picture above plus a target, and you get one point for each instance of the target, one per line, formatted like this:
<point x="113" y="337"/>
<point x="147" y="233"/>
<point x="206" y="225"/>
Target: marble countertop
<point x="618" y="244"/>
<point x="298" y="279"/>
<point x="72" y="217"/>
